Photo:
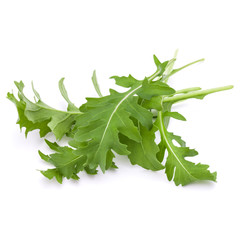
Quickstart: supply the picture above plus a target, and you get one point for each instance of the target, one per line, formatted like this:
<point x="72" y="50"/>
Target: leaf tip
<point x="214" y="174"/>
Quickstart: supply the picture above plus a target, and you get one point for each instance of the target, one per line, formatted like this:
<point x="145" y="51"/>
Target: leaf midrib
<point x="64" y="165"/>
<point x="46" y="108"/>
<point x="114" y="111"/>
<point x="169" y="147"/>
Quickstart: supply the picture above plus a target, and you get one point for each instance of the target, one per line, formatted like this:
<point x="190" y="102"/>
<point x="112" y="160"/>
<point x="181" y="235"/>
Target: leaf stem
<point x="166" y="77"/>
<point x="169" y="144"/>
<point x="187" y="90"/>
<point x="189" y="64"/>
<point x="196" y="94"/>
<point x="153" y="76"/>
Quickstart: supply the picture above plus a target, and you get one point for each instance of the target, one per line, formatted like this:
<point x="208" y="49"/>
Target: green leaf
<point x="41" y="116"/>
<point x="104" y="118"/>
<point x="95" y="84"/>
<point x="185" y="66"/>
<point x="154" y="89"/>
<point x="175" y="115"/>
<point x="119" y="123"/>
<point x="90" y="171"/>
<point x="51" y="173"/>
<point x="166" y="107"/>
<point x="66" y="161"/>
<point x="36" y="93"/>
<point x="143" y="153"/>
<point x="170" y="65"/>
<point x="161" y="151"/>
<point x="171" y="72"/>
<point x="157" y="62"/>
<point x="154" y="103"/>
<point x="123" y="81"/>
<point x="43" y="156"/>
<point x="23" y="120"/>
<point x="161" y="67"/>
<point x="71" y="106"/>
<point x="177" y="167"/>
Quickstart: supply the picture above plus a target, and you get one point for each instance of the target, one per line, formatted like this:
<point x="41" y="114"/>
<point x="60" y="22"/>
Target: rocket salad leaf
<point x="177" y="167"/>
<point x="125" y="123"/>
<point x="38" y="115"/>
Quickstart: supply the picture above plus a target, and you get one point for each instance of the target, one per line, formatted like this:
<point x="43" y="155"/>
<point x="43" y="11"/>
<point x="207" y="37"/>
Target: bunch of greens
<point x="125" y="123"/>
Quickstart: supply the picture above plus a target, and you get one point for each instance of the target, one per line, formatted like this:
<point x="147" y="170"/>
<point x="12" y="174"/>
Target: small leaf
<point x="71" y="106"/>
<point x="23" y="121"/>
<point x="95" y="84"/>
<point x="154" y="103"/>
<point x="175" y="115"/>
<point x="51" y="173"/>
<point x="161" y="67"/>
<point x="41" y="116"/>
<point x="170" y="64"/>
<point x="66" y="161"/>
<point x="157" y="62"/>
<point x="35" y="92"/>
<point x="181" y="68"/>
<point x="154" y="89"/>
<point x="125" y="81"/>
<point x="143" y="153"/>
<point x="177" y="167"/>
<point x="43" y="156"/>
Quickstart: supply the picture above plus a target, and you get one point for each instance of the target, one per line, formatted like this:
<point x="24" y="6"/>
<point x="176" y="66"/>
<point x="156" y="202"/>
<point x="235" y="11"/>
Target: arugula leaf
<point x="175" y="115"/>
<point x="161" y="66"/>
<point x="177" y="167"/>
<point x="130" y="80"/>
<point x="170" y="71"/>
<point x="51" y="173"/>
<point x="95" y="84"/>
<point x="198" y="94"/>
<point x="118" y="123"/>
<point x="143" y="153"/>
<point x="66" y="161"/>
<point x="40" y="116"/>
<point x="104" y="118"/>
<point x="123" y="81"/>
<point x="71" y="106"/>
<point x="23" y="120"/>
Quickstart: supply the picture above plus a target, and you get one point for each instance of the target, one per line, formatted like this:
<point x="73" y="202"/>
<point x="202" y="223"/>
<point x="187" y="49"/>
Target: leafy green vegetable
<point x="104" y="118"/>
<point x="143" y="153"/>
<point x="125" y="123"/>
<point x="67" y="162"/>
<point x="95" y="84"/>
<point x="177" y="166"/>
<point x="40" y="116"/>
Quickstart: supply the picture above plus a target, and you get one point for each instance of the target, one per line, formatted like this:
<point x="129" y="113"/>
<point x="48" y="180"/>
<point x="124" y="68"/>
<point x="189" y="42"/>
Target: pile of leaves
<point x="124" y="123"/>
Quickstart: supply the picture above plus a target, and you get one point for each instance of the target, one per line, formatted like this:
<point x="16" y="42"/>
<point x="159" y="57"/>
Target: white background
<point x="46" y="40"/>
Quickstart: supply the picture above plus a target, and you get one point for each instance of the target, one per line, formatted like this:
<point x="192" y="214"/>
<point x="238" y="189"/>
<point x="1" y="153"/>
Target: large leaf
<point x="104" y="118"/>
<point x="38" y="115"/>
<point x="177" y="167"/>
